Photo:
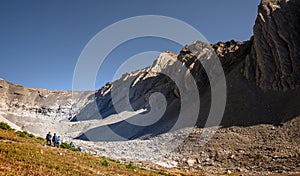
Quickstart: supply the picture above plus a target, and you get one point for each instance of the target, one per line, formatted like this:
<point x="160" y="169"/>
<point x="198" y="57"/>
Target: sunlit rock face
<point x="24" y="106"/>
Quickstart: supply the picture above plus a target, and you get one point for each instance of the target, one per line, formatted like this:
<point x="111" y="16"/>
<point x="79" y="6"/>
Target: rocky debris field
<point x="259" y="149"/>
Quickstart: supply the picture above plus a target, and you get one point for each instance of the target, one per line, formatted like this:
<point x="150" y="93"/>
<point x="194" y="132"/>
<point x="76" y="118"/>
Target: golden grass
<point x="29" y="156"/>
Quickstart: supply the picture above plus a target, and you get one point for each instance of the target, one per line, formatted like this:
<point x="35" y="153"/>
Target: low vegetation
<point x="24" y="134"/>
<point x="5" y="126"/>
<point x="130" y="166"/>
<point x="68" y="146"/>
<point x="23" y="154"/>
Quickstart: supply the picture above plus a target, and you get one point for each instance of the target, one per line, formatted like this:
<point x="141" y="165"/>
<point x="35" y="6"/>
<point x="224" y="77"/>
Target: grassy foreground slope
<point x="28" y="156"/>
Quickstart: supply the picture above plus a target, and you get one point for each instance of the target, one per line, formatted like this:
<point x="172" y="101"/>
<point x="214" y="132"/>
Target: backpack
<point x="53" y="138"/>
<point x="56" y="139"/>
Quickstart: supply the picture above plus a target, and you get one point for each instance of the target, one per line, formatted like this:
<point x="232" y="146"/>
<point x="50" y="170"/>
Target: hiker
<point x="57" y="141"/>
<point x="48" y="139"/>
<point x="54" y="139"/>
<point x="72" y="144"/>
<point x="80" y="149"/>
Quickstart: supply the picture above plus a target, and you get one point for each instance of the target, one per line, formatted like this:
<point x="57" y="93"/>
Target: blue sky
<point x="41" y="40"/>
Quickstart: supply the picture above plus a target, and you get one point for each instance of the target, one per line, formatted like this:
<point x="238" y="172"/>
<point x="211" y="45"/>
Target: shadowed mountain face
<point x="262" y="77"/>
<point x="274" y="58"/>
<point x="262" y="80"/>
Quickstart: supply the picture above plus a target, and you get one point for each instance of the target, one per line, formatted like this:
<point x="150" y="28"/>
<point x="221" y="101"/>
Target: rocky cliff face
<point x="274" y="60"/>
<point x="21" y="105"/>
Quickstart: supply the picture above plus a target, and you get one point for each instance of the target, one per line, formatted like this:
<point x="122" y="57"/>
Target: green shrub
<point x="24" y="134"/>
<point x="165" y="174"/>
<point x="21" y="133"/>
<point x="68" y="146"/>
<point x="65" y="145"/>
<point x="31" y="135"/>
<point x="5" y="126"/>
<point x="130" y="166"/>
<point x="105" y="163"/>
<point x="41" y="139"/>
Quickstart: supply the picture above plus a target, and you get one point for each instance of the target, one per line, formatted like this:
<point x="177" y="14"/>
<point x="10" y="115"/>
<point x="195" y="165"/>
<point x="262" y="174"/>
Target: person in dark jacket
<point x="48" y="139"/>
<point x="54" y="139"/>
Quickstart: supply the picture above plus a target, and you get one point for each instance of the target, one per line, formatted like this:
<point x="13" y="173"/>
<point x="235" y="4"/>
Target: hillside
<point x="24" y="155"/>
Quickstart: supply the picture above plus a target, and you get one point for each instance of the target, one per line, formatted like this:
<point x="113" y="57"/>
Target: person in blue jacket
<point x="55" y="139"/>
